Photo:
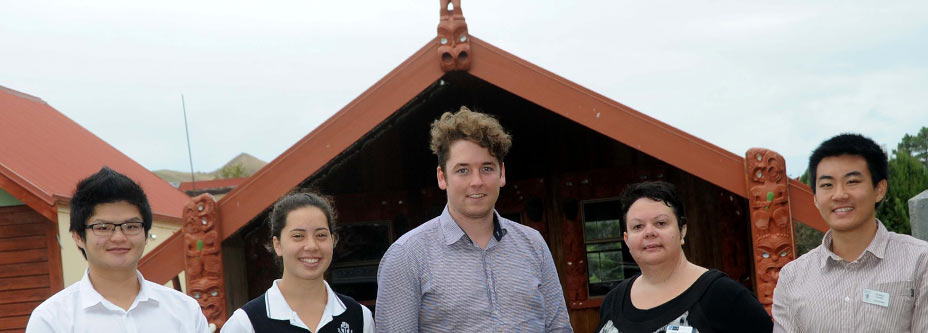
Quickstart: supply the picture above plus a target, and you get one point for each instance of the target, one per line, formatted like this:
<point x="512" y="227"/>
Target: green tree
<point x="233" y="171"/>
<point x="916" y="145"/>
<point x="907" y="178"/>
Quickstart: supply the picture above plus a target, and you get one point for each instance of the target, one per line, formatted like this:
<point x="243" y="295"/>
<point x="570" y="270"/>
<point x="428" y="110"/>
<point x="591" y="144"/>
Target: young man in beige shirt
<point x="862" y="278"/>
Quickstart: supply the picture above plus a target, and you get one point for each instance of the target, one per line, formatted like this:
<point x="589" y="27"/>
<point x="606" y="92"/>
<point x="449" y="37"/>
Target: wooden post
<point x="771" y="223"/>
<point x="203" y="258"/>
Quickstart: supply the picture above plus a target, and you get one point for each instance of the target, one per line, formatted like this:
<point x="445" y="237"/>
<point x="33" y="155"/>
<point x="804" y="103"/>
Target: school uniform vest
<point x="350" y="321"/>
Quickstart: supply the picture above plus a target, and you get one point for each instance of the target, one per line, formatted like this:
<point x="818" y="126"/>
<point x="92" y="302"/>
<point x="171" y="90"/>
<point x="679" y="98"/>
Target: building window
<point x="605" y="253"/>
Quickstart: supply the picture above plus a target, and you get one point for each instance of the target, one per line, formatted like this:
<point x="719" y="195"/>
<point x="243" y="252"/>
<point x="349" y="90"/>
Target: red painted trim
<point x="44" y="206"/>
<point x="608" y="117"/>
<point x="331" y="138"/>
<point x="164" y="262"/>
<point x="586" y="304"/>
<point x="802" y="206"/>
<point x="55" y="273"/>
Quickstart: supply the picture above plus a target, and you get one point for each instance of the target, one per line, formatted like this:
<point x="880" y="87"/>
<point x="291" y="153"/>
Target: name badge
<point x="679" y="329"/>
<point x="876" y="297"/>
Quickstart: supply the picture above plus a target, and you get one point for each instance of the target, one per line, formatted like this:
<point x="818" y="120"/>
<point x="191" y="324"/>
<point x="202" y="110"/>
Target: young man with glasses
<point x="110" y="220"/>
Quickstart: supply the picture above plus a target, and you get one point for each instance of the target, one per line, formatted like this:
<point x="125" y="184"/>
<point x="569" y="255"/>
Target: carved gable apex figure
<point x="454" y="49"/>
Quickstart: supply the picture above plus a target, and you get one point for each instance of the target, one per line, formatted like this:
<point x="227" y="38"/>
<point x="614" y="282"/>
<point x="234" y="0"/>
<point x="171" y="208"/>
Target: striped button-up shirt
<point x="885" y="290"/>
<point x="435" y="279"/>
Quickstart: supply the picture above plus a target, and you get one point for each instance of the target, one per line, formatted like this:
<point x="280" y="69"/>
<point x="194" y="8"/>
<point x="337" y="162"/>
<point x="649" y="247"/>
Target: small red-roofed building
<point x="43" y="154"/>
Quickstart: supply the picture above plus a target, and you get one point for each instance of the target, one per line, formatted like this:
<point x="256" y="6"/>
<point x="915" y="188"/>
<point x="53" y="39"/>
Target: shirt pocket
<point x="898" y="315"/>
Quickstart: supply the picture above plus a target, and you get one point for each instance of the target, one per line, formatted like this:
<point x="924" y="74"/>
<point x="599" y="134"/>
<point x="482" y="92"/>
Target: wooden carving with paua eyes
<point x="771" y="224"/>
<point x="454" y="42"/>
<point x="203" y="257"/>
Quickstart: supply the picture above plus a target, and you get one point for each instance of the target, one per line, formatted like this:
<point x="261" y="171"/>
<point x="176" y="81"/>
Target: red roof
<point x="44" y="154"/>
<point x="211" y="184"/>
<point x="504" y="70"/>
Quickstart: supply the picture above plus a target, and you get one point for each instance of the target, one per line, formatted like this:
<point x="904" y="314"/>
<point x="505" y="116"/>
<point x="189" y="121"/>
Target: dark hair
<point x="851" y="144"/>
<point x="294" y="201"/>
<point x="106" y="186"/>
<point x="479" y="128"/>
<point x="657" y="191"/>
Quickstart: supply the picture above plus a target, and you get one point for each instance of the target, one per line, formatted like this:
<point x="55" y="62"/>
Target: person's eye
<point x="462" y="171"/>
<point x="636" y="227"/>
<point x="487" y="169"/>
<point x="104" y="227"/>
<point x="824" y="185"/>
<point x="661" y="223"/>
<point x="322" y="235"/>
<point x="297" y="236"/>
<point x="133" y="226"/>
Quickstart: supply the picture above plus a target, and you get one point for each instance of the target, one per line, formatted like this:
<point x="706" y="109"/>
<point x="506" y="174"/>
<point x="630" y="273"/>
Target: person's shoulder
<point x="67" y="297"/>
<point x="423" y="233"/>
<point x="801" y="264"/>
<point x="522" y="232"/>
<point x="163" y="293"/>
<point x="908" y="243"/>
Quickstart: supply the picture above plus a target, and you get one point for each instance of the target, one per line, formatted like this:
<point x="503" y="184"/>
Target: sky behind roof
<point x="257" y="77"/>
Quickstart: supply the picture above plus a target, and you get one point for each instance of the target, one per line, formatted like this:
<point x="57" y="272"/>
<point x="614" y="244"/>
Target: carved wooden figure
<point x="771" y="224"/>
<point x="454" y="42"/>
<point x="203" y="257"/>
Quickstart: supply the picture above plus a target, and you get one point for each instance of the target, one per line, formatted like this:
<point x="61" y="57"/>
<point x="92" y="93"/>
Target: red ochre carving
<point x="203" y="258"/>
<point x="454" y="42"/>
<point x="771" y="224"/>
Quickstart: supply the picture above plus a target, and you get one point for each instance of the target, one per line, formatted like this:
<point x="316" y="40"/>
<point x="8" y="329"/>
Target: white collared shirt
<point x="278" y="309"/>
<point x="80" y="308"/>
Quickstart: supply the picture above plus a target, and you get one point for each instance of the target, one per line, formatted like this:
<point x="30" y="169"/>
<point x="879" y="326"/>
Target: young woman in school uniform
<point x="301" y="301"/>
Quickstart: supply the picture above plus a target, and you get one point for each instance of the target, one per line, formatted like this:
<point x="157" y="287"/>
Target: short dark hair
<point x="106" y="186"/>
<point x="657" y="191"/>
<point x="479" y="128"/>
<point x="295" y="200"/>
<point x="851" y="144"/>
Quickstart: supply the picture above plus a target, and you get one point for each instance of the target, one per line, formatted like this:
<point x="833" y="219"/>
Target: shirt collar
<point x="90" y="297"/>
<point x="277" y="307"/>
<point x="452" y="232"/>
<point x="877" y="246"/>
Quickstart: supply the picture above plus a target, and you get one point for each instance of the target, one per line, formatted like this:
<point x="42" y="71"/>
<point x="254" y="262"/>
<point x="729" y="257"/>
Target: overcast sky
<point x="258" y="76"/>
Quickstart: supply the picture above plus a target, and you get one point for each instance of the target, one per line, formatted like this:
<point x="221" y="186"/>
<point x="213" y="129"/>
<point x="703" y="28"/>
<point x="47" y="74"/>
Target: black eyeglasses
<point x="107" y="229"/>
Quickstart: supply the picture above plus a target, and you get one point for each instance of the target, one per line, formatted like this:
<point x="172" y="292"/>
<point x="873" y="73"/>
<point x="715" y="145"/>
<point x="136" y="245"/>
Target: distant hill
<point x="248" y="166"/>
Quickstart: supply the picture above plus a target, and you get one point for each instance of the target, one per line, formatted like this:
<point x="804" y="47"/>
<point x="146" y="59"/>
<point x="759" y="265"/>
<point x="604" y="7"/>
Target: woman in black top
<point x="671" y="294"/>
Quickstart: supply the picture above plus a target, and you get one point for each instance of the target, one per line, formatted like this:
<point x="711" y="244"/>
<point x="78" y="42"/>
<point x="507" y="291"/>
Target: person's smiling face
<point x="845" y="194"/>
<point x="116" y="251"/>
<point x="652" y="234"/>
<point x="472" y="178"/>
<point x="305" y="244"/>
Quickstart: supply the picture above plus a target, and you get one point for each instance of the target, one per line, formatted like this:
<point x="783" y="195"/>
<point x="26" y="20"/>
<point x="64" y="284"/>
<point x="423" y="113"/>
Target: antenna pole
<point x="193" y="180"/>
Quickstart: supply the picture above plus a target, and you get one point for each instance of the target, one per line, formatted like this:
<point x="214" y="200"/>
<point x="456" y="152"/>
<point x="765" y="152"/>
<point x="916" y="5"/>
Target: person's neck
<point x="478" y="229"/>
<point x="665" y="273"/>
<point x="299" y="293"/>
<point x="850" y="244"/>
<point x="120" y="287"/>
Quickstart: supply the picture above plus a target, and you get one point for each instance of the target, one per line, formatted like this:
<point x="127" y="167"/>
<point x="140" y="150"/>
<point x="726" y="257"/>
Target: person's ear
<point x="881" y="188"/>
<point x="78" y="240"/>
<point x="502" y="175"/>
<point x="442" y="182"/>
<point x="277" y="248"/>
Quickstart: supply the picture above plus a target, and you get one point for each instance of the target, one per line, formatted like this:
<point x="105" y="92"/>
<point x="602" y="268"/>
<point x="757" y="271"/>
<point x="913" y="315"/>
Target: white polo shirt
<point x="278" y="309"/>
<point x="80" y="308"/>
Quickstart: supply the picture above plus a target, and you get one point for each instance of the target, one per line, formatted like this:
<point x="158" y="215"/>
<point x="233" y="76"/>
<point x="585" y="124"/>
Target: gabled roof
<point x="508" y="72"/>
<point x="211" y="184"/>
<point x="43" y="154"/>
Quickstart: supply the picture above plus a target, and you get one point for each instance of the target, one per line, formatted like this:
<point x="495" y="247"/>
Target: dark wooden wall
<point x="30" y="264"/>
<point x="553" y="166"/>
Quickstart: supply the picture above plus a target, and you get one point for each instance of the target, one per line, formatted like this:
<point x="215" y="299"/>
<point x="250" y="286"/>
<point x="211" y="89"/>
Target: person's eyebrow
<point x="853" y="173"/>
<point x="133" y="219"/>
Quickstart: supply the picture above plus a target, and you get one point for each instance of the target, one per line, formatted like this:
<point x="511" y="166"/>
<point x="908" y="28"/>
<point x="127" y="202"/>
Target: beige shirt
<point x="885" y="290"/>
